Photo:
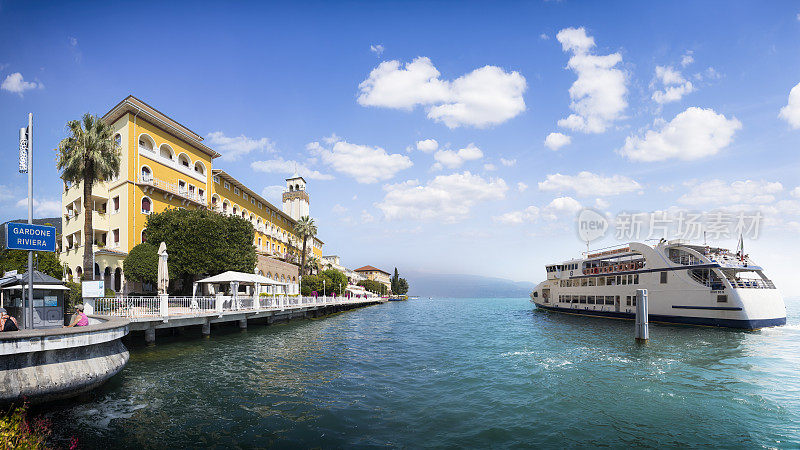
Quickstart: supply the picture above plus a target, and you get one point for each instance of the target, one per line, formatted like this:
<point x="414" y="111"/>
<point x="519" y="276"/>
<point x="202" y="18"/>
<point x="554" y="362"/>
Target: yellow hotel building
<point x="166" y="165"/>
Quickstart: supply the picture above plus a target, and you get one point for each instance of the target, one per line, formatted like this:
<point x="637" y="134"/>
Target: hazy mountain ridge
<point x="460" y="285"/>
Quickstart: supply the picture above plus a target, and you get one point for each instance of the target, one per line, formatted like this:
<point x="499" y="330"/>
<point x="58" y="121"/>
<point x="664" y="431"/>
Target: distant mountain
<point x="54" y="221"/>
<point x="456" y="285"/>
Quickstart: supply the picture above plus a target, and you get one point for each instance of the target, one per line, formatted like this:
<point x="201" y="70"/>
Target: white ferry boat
<point x="686" y="284"/>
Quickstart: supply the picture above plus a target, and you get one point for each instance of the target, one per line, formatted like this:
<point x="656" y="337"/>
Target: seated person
<point x="7" y="323"/>
<point x="79" y="319"/>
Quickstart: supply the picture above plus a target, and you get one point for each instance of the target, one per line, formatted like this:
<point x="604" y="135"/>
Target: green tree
<point x="89" y="155"/>
<point x="374" y="286"/>
<point x="394" y="281"/>
<point x="309" y="284"/>
<point x="335" y="281"/>
<point x="305" y="228"/>
<point x="202" y="242"/>
<point x="402" y="287"/>
<point x="45" y="262"/>
<point x="141" y="264"/>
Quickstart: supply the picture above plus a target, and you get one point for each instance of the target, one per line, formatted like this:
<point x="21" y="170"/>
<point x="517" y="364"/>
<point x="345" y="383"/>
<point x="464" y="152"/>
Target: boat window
<point x="590" y="300"/>
<point x="619" y="280"/>
<point x="630" y="279"/>
<point x="636" y="279"/>
<point x="628" y="300"/>
<point x="601" y="281"/>
<point x="624" y="280"/>
<point x="609" y="299"/>
<point x="591" y="281"/>
<point x="664" y="277"/>
<point x="582" y="299"/>
<point x="583" y="281"/>
<point x="722" y="298"/>
<point x="535" y="294"/>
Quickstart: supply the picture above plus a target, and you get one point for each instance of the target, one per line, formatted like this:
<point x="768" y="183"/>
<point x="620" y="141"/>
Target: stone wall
<point x="50" y="364"/>
<point x="272" y="268"/>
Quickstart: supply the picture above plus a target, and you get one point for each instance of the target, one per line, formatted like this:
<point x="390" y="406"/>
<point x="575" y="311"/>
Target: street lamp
<point x="323" y="288"/>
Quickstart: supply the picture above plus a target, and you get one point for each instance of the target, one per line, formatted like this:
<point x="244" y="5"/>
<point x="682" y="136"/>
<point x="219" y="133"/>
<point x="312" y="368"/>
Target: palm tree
<point x="306" y="228"/>
<point x="91" y="155"/>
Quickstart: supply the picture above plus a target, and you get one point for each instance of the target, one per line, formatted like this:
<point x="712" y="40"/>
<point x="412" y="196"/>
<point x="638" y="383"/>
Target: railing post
<point x="163" y="305"/>
<point x="219" y="303"/>
<point x="642" y="331"/>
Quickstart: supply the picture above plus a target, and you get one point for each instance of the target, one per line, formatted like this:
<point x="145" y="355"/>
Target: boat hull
<point x="743" y="324"/>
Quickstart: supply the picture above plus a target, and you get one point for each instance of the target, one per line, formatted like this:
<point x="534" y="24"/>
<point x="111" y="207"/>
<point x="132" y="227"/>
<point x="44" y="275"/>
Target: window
<point x="116" y="237"/>
<point x="201" y="193"/>
<point x="117" y="140"/>
<point x="722" y="299"/>
<point x="227" y="186"/>
<point x="147" y="206"/>
<point x="234" y="210"/>
<point x="609" y="299"/>
<point x="582" y="299"/>
<point x="166" y="152"/>
<point x="664" y="277"/>
<point x="590" y="300"/>
<point x="216" y="179"/>
<point x="144" y="235"/>
<point x="184" y="160"/>
<point x="601" y="281"/>
<point x="116" y="204"/>
<point x="236" y="190"/>
<point x="147" y="175"/>
<point x="200" y="168"/>
<point x="628" y="300"/>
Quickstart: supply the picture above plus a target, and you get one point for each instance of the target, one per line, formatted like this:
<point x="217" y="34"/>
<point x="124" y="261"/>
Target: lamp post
<point x="323" y="288"/>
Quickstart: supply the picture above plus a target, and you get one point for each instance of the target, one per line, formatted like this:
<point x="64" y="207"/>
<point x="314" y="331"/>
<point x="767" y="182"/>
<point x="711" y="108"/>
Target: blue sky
<point x="673" y="106"/>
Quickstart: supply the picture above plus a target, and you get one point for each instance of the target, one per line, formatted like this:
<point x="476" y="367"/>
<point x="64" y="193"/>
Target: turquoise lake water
<point x="451" y="373"/>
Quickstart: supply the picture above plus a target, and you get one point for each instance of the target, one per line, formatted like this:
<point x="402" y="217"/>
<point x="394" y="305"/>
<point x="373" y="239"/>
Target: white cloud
<point x="719" y="193"/>
<point x="42" y="208"/>
<point x="453" y="159"/>
<point x="489" y="167"/>
<point x="363" y="163"/>
<point x="796" y="192"/>
<point x="687" y="59"/>
<point x="338" y="209"/>
<point x="486" y="96"/>
<point x="16" y="84"/>
<point x="273" y="193"/>
<point x="673" y="84"/>
<point x="377" y="49"/>
<point x="598" y="95"/>
<point x="544" y="36"/>
<point x="522" y="187"/>
<point x="427" y="145"/>
<point x="508" y="162"/>
<point x="447" y="198"/>
<point x="288" y="167"/>
<point x="561" y="207"/>
<point x="791" y="112"/>
<point x="233" y="148"/>
<point x="590" y="184"/>
<point x="529" y="214"/>
<point x="555" y="141"/>
<point x="366" y="217"/>
<point x="693" y="134"/>
<point x="599" y="203"/>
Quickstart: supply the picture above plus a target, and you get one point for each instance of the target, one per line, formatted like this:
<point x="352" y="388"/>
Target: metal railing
<point x="146" y="307"/>
<point x="171" y="188"/>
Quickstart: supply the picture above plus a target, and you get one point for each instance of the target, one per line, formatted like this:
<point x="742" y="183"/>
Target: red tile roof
<point x="370" y="269"/>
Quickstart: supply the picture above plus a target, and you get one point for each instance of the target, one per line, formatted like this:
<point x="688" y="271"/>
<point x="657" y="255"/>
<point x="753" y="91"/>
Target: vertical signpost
<point x="26" y="166"/>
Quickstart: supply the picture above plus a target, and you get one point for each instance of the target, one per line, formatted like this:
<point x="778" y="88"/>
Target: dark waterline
<point x="447" y="373"/>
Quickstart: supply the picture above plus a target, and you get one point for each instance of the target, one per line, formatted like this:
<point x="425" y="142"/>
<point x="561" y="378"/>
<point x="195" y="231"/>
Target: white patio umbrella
<point x="163" y="271"/>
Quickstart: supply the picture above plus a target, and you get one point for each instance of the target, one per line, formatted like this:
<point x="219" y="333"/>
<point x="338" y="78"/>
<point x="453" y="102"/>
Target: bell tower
<point x="295" y="198"/>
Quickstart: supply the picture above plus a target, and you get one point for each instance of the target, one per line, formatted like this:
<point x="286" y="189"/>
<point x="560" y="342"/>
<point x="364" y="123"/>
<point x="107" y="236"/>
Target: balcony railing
<point x="172" y="188"/>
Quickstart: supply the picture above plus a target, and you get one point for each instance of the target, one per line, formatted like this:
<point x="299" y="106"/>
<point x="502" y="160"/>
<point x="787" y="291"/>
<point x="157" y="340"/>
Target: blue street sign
<point x="23" y="236"/>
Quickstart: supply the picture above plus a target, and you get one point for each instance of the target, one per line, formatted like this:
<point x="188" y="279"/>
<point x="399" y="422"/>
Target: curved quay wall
<point x="50" y="364"/>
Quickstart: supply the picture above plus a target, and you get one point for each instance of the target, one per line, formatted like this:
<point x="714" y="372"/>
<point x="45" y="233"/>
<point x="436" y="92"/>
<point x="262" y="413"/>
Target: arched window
<point x="147" y="206"/>
<point x="296" y="187"/>
<point x="291" y="188"/>
<point x="200" y="168"/>
<point x="117" y="279"/>
<point x="79" y="272"/>
<point x="184" y="160"/>
<point x="146" y="143"/>
<point x="117" y="140"/>
<point x="234" y="210"/>
<point x="166" y="152"/>
<point x="225" y="206"/>
<point x="69" y="274"/>
<point x="147" y="175"/>
<point x="144" y="235"/>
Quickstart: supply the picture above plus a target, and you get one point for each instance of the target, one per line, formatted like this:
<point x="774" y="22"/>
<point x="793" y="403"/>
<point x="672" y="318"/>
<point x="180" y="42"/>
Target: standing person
<point x="79" y="319"/>
<point x="7" y="323"/>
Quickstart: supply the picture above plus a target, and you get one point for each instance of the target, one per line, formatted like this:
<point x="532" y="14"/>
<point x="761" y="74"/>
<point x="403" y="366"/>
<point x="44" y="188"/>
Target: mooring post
<point x="206" y="330"/>
<point x="642" y="329"/>
<point x="150" y="335"/>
